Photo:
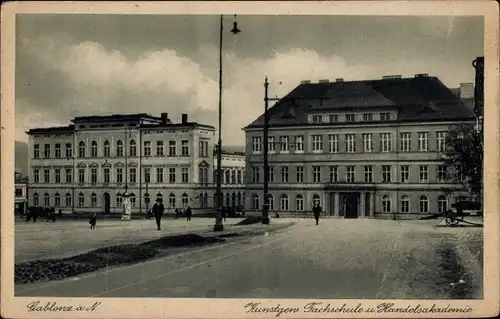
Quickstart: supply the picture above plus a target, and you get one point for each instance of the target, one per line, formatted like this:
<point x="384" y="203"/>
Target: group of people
<point x="33" y="213"/>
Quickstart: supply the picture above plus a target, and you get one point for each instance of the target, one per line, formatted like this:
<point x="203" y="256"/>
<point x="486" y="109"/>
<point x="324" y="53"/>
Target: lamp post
<point x="478" y="64"/>
<point x="265" y="207"/>
<point x="218" y="192"/>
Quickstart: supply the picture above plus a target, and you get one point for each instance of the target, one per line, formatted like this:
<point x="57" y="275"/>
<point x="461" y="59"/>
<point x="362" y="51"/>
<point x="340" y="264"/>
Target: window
<point x="405" y="173"/>
<point x="57" y="172"/>
<point x="147" y="174"/>
<point x="300" y="174"/>
<point x="299" y="143"/>
<point x="57" y="200"/>
<point x="350" y="143"/>
<point x="271" y="144"/>
<point x="185" y="200"/>
<point x="147" y="198"/>
<point x="405" y="142"/>
<point x="256" y="144"/>
<point x="171" y="175"/>
<point x="172" y="148"/>
<point x="36" y="151"/>
<point x="239" y="176"/>
<point x="350" y="174"/>
<point x="368" y="174"/>
<point x="119" y="148"/>
<point x="284" y="202"/>
<point x="317" y="118"/>
<point x="36" y="199"/>
<point x="132" y="200"/>
<point x="69" y="175"/>
<point x="333" y="143"/>
<point x="36" y="175"/>
<point x="333" y="174"/>
<point x="441" y="141"/>
<point x="106" y="174"/>
<point x="442" y="204"/>
<point x="81" y="200"/>
<point x="316" y="200"/>
<point x="284" y="174"/>
<point x="159" y="148"/>
<point x="46" y="199"/>
<point x="386" y="174"/>
<point x="132" y="148"/>
<point x="334" y="118"/>
<point x="93" y="176"/>
<point x="316" y="174"/>
<point x="350" y="117"/>
<point x="19" y="192"/>
<point x="227" y="176"/>
<point x="147" y="148"/>
<point x="171" y="200"/>
<point x="270" y="200"/>
<point x="284" y="145"/>
<point x="185" y="175"/>
<point x="68" y="200"/>
<point x="107" y="149"/>
<point x="255" y="174"/>
<point x="385" y="116"/>
<point x="255" y="202"/>
<point x="46" y="151"/>
<point x="386" y="204"/>
<point x="442" y="173"/>
<point x="203" y="149"/>
<point x="405" y="204"/>
<point x="424" y="204"/>
<point x="133" y="175"/>
<point x="46" y="176"/>
<point x="367" y="117"/>
<point x="233" y="177"/>
<point x="58" y="150"/>
<point x="385" y="142"/>
<point x="81" y="149"/>
<point x="299" y="202"/>
<point x="119" y="200"/>
<point x="271" y="174"/>
<point x="119" y="175"/>
<point x="423" y="141"/>
<point x="423" y="174"/>
<point x="93" y="149"/>
<point x="185" y="148"/>
<point x="69" y="150"/>
<point x="93" y="200"/>
<point x="367" y="142"/>
<point x="81" y="175"/>
<point x="317" y="143"/>
<point x="203" y="176"/>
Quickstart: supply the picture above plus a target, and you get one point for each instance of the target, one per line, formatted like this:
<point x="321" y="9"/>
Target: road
<point x="362" y="259"/>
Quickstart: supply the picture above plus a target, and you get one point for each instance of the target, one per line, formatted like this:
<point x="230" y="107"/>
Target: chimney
<point x="466" y="90"/>
<point x="164" y="118"/>
<point x="339" y="80"/>
<point x="387" y="77"/>
<point x="421" y="75"/>
<point x="184" y="118"/>
<point x="324" y="81"/>
<point x="305" y="82"/>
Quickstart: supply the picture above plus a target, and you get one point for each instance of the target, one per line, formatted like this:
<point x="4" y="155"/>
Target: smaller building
<point x="21" y="194"/>
<point x="233" y="181"/>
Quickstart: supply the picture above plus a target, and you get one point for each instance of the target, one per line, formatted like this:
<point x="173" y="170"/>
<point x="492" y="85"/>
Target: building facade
<point x="21" y="194"/>
<point x="233" y="173"/>
<point x="87" y="166"/>
<point x="359" y="149"/>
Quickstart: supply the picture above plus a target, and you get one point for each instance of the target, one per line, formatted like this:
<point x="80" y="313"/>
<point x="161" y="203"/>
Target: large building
<point x="87" y="166"/>
<point x="359" y="148"/>
<point x="21" y="194"/>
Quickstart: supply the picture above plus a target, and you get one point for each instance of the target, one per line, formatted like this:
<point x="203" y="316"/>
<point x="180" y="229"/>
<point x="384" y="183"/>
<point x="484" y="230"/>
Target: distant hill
<point x="21" y="158"/>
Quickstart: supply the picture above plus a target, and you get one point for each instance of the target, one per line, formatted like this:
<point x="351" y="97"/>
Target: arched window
<point x="405" y="204"/>
<point x="119" y="200"/>
<point x="185" y="200"/>
<point x="68" y="200"/>
<point x="93" y="149"/>
<point x="316" y="200"/>
<point x="255" y="202"/>
<point x="107" y="148"/>
<point x="386" y="204"/>
<point x="442" y="204"/>
<point x="227" y="177"/>
<point x="270" y="199"/>
<point x="46" y="199"/>
<point x="81" y="149"/>
<point x="57" y="200"/>
<point x="284" y="202"/>
<point x="119" y="148"/>
<point x="81" y="200"/>
<point x="239" y="178"/>
<point x="424" y="204"/>
<point x="36" y="199"/>
<point x="93" y="200"/>
<point x="299" y="202"/>
<point x="238" y="198"/>
<point x="132" y="148"/>
<point x="132" y="200"/>
<point x="171" y="200"/>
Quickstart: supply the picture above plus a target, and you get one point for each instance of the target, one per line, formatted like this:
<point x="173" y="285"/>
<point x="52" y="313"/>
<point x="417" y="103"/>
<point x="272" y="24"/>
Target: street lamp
<point x="218" y="192"/>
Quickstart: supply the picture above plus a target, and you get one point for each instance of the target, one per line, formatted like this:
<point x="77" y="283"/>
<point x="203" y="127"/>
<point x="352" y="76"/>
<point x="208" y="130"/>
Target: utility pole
<point x="478" y="64"/>
<point x="265" y="207"/>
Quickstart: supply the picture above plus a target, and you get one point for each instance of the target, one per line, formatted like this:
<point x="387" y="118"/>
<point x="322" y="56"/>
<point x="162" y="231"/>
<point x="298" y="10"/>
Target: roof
<point x="19" y="178"/>
<point x="421" y="98"/>
<point x="57" y="129"/>
<point x="177" y="125"/>
<point x="114" y="117"/>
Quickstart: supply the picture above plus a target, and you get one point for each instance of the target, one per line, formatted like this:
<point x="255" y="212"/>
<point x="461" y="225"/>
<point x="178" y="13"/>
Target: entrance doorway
<point x="351" y="201"/>
<point x="107" y="202"/>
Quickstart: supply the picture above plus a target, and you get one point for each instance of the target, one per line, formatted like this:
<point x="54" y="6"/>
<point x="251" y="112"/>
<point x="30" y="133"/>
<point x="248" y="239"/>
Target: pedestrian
<point x="224" y="213"/>
<point x="316" y="212"/>
<point x="60" y="212"/>
<point x="29" y="214"/>
<point x="35" y="213"/>
<point x="93" y="220"/>
<point x="53" y="214"/>
<point x="189" y="213"/>
<point x="158" y="212"/>
<point x="47" y="213"/>
<point x="176" y="213"/>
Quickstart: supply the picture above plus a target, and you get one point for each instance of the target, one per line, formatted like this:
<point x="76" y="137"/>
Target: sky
<point x="77" y="65"/>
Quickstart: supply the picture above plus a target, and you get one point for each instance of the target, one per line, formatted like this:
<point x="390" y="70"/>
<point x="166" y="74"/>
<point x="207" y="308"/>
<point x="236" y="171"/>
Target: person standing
<point x="316" y="212"/>
<point x="93" y="220"/>
<point x="189" y="213"/>
<point x="158" y="212"/>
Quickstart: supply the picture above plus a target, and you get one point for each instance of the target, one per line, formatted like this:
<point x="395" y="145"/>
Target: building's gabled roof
<point x="421" y="98"/>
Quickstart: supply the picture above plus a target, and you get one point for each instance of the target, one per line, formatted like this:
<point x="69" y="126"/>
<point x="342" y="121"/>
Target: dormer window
<point x="350" y="117"/>
<point x="367" y="117"/>
<point x="317" y="119"/>
<point x="334" y="118"/>
<point x="386" y="116"/>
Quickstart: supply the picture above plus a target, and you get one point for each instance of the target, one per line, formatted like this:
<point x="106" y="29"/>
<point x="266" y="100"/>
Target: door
<point x="351" y="205"/>
<point x="107" y="203"/>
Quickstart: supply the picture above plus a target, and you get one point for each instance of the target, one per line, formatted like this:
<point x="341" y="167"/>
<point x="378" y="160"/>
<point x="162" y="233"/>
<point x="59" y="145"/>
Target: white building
<point x="86" y="166"/>
<point x="233" y="183"/>
<point x="21" y="199"/>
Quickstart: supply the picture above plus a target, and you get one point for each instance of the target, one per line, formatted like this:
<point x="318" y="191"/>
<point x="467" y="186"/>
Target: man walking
<point x="316" y="212"/>
<point x="189" y="213"/>
<point x="158" y="212"/>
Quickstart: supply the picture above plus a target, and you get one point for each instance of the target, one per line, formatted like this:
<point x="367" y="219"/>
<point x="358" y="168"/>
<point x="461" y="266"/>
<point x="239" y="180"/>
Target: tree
<point x="464" y="154"/>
